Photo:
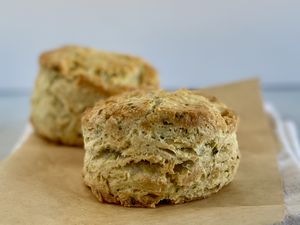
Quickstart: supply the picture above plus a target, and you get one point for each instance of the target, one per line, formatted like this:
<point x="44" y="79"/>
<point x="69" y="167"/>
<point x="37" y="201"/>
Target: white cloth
<point x="289" y="164"/>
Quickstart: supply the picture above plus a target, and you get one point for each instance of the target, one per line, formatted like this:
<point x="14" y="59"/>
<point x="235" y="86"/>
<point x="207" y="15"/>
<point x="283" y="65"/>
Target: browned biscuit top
<point x="111" y="73"/>
<point x="182" y="108"/>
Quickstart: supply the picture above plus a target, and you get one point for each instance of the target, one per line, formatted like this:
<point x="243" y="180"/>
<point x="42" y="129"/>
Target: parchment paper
<point x="41" y="183"/>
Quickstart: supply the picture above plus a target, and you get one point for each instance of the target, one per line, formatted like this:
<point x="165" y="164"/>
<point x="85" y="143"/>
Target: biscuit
<point x="73" y="78"/>
<point x="147" y="148"/>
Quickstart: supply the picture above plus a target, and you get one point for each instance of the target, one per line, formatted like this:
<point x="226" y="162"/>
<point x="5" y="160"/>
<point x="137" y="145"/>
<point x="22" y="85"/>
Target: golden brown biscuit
<point x="145" y="148"/>
<point x="72" y="78"/>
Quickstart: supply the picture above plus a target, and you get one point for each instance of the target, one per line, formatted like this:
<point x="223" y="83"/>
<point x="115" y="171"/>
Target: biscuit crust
<point x="111" y="73"/>
<point x="73" y="78"/>
<point x="149" y="147"/>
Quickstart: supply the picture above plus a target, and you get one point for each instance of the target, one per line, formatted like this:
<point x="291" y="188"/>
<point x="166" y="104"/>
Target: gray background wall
<point x="192" y="43"/>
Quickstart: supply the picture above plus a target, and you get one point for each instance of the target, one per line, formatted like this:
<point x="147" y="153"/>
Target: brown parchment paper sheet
<point x="41" y="183"/>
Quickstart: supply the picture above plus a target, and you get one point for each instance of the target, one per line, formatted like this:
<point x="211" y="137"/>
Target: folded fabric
<point x="289" y="164"/>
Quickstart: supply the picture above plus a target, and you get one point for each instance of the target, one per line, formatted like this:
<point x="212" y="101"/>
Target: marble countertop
<point x="14" y="113"/>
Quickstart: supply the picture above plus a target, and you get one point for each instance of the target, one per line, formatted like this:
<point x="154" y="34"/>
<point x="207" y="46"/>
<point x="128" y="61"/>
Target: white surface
<point x="14" y="114"/>
<point x="193" y="43"/>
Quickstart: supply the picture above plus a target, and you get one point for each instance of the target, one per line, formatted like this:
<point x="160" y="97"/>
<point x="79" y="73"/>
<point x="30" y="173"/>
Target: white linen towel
<point x="289" y="164"/>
